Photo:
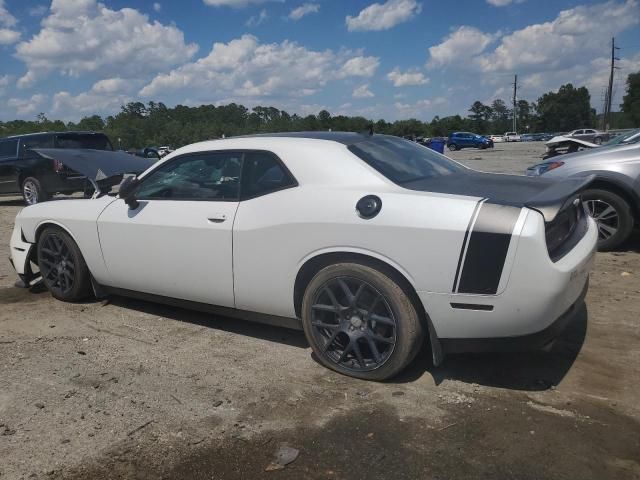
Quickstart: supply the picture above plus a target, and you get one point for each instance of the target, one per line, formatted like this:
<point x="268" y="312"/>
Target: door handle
<point x="219" y="218"/>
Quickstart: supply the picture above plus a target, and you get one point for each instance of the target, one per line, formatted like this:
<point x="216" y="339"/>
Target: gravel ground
<point x="129" y="389"/>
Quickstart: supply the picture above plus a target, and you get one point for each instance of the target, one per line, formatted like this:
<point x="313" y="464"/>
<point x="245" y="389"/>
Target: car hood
<point x="548" y="196"/>
<point x="97" y="165"/>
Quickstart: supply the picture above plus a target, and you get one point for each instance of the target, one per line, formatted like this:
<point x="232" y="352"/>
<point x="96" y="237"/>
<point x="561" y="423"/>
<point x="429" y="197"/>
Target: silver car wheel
<point x="30" y="191"/>
<point x="606" y="218"/>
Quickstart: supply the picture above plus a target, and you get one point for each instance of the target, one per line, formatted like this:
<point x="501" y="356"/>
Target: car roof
<point x="346" y="138"/>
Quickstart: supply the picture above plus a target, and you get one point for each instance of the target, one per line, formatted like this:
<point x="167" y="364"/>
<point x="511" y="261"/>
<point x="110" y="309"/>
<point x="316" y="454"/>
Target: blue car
<point x="458" y="140"/>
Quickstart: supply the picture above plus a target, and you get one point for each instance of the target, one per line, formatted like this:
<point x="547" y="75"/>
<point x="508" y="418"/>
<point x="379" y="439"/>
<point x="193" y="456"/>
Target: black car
<point x="37" y="178"/>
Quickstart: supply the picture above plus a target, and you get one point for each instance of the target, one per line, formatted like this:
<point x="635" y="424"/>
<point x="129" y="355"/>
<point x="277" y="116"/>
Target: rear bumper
<point x="533" y="341"/>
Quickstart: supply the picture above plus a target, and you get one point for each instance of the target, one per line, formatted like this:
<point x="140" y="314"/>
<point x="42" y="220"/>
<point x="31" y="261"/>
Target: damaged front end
<point x="561" y="145"/>
<point x="22" y="256"/>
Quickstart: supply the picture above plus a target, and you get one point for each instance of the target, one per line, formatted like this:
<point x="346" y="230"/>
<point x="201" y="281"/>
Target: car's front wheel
<point x="32" y="191"/>
<point x="598" y="141"/>
<point x="612" y="215"/>
<point x="63" y="269"/>
<point x="360" y="322"/>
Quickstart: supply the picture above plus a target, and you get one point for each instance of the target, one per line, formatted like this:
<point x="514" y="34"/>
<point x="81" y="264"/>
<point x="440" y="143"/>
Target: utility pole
<point x="607" y="111"/>
<point x="515" y="104"/>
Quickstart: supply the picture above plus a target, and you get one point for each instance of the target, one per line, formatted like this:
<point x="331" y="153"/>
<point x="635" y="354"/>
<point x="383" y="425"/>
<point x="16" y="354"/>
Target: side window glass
<point x="8" y="148"/>
<point x="39" y="141"/>
<point x="263" y="174"/>
<point x="208" y="176"/>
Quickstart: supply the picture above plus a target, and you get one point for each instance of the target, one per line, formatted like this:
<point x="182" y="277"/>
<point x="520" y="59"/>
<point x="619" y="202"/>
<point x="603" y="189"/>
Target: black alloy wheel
<point x="63" y="269"/>
<point x="354" y="323"/>
<point x="360" y="321"/>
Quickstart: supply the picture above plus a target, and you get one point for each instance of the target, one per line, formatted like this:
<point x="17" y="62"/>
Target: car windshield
<point x="80" y="140"/>
<point x="403" y="161"/>
<point x="629" y="137"/>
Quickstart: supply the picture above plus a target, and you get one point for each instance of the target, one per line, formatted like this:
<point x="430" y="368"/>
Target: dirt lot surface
<point x="129" y="389"/>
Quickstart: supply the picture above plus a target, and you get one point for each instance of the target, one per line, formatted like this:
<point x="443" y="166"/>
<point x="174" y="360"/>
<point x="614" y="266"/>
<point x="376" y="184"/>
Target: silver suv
<point x="613" y="198"/>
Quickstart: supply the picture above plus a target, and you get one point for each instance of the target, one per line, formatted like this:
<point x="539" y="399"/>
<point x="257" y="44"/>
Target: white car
<point x="370" y="243"/>
<point x="496" y="138"/>
<point x="512" y="137"/>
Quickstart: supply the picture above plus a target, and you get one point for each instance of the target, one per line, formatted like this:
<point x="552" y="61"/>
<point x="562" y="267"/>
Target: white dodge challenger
<point x="372" y="244"/>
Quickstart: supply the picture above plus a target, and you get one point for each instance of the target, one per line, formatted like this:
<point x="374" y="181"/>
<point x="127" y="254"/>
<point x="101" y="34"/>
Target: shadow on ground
<point x="260" y="331"/>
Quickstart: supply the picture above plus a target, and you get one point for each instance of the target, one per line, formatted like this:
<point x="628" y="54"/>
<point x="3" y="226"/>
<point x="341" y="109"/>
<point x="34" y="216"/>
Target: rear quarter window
<point x="92" y="141"/>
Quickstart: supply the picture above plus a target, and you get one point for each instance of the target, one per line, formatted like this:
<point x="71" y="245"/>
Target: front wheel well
<point x="601" y="184"/>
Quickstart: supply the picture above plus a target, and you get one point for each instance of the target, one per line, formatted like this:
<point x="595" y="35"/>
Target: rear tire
<point x="360" y="322"/>
<point x="613" y="216"/>
<point x="454" y="147"/>
<point x="597" y="141"/>
<point x="32" y="191"/>
<point x="64" y="271"/>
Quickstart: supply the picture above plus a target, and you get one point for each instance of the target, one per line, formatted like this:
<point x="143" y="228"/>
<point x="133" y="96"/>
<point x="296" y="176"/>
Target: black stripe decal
<point x="472" y="306"/>
<point x="464" y="243"/>
<point x="487" y="250"/>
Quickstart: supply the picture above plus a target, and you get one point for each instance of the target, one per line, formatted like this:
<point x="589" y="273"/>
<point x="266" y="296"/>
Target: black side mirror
<point x="128" y="189"/>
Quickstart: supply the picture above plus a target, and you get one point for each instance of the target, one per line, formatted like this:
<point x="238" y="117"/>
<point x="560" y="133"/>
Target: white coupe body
<point x="480" y="267"/>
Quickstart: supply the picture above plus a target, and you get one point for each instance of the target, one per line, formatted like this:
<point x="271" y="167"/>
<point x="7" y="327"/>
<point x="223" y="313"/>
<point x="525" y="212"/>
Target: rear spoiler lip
<point x="554" y="199"/>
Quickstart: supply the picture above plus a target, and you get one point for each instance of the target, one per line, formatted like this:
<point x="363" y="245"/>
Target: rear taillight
<point x="57" y="166"/>
<point x="553" y="165"/>
<point x="565" y="230"/>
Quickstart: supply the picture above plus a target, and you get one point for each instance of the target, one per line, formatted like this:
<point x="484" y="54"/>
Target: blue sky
<point x="389" y="59"/>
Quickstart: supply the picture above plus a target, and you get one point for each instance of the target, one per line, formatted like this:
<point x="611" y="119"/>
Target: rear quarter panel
<point x="419" y="234"/>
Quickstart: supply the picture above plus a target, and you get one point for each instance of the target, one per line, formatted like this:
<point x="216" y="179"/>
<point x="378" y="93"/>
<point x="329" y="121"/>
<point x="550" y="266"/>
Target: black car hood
<point x="97" y="165"/>
<point x="542" y="194"/>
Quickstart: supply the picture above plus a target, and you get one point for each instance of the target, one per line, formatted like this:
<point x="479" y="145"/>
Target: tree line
<point x="138" y="125"/>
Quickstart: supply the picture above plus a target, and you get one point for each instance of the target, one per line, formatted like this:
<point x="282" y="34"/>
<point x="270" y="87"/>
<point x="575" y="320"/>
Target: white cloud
<point x="71" y="107"/>
<point x="113" y="85"/>
<point x="38" y="10"/>
<point x="256" y="20"/>
<point x="6" y="19"/>
<point x="383" y="16"/>
<point x="157" y="7"/>
<point x="503" y="3"/>
<point x="359" y="67"/>
<point x="303" y="10"/>
<point x="84" y="36"/>
<point x="363" y="92"/>
<point x="235" y="3"/>
<point x="409" y="78"/>
<point x="8" y="36"/>
<point x="569" y="40"/>
<point x="459" y="47"/>
<point x="26" y="106"/>
<point x="245" y="68"/>
<point x="420" y="109"/>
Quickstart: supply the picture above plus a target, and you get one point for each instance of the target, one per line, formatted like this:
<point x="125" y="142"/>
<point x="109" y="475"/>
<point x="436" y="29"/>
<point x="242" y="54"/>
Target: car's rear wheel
<point x="597" y="141"/>
<point x="32" y="191"/>
<point x="453" y="146"/>
<point x="63" y="269"/>
<point x="360" y="322"/>
<point x="612" y="215"/>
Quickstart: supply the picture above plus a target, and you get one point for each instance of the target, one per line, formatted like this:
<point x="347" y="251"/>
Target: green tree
<point x="567" y="109"/>
<point x="631" y="101"/>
